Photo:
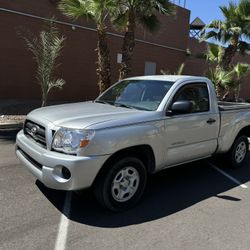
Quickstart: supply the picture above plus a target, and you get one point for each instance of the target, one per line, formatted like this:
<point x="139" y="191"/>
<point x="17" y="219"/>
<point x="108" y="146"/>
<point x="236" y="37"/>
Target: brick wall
<point x="17" y="79"/>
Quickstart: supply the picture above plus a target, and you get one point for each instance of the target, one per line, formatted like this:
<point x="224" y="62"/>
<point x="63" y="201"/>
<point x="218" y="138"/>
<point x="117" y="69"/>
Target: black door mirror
<point x="180" y="107"/>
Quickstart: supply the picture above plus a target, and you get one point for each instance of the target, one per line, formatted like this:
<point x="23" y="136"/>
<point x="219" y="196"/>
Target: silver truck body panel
<point x="232" y="122"/>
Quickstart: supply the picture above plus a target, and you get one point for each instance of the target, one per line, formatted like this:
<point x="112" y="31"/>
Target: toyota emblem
<point x="34" y="130"/>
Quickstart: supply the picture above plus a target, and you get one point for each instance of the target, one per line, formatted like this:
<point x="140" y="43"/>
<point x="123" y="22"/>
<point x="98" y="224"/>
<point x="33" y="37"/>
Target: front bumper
<point x="47" y="165"/>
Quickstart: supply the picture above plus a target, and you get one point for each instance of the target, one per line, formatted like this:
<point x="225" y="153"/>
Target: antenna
<point x="180" y="3"/>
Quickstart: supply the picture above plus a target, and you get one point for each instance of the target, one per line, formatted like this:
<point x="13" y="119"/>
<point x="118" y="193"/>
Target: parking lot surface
<point x="194" y="206"/>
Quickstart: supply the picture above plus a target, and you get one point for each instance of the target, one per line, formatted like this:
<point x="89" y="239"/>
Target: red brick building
<point x="164" y="50"/>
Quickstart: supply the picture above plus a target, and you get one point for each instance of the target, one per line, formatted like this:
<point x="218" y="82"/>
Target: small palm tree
<point x="46" y="49"/>
<point x="241" y="70"/>
<point x="128" y="15"/>
<point x="178" y="71"/>
<point x="232" y="31"/>
<point x="215" y="73"/>
<point x="98" y="12"/>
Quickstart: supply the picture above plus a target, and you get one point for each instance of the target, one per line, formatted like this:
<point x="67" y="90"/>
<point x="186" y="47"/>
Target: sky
<point x="207" y="10"/>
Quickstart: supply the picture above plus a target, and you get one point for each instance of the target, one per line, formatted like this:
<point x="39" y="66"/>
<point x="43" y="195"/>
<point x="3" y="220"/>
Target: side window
<point x="197" y="94"/>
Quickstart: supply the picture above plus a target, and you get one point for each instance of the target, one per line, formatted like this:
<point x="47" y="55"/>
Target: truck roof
<point x="171" y="78"/>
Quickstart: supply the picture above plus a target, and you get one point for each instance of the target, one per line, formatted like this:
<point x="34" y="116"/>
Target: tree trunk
<point x="226" y="96"/>
<point x="218" y="87"/>
<point x="103" y="64"/>
<point x="228" y="56"/>
<point x="226" y="64"/>
<point x="44" y="99"/>
<point x="230" y="53"/>
<point x="237" y="93"/>
<point x="128" y="46"/>
<point x="219" y="92"/>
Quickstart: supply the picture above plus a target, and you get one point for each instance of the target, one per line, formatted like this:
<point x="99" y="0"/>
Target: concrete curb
<point x="11" y="126"/>
<point x="8" y="131"/>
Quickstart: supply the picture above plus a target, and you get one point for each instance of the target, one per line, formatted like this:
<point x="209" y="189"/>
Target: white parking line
<point x="228" y="176"/>
<point x="61" y="238"/>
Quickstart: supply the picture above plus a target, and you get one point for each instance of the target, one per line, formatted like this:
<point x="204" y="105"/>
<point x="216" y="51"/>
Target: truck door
<point x="192" y="135"/>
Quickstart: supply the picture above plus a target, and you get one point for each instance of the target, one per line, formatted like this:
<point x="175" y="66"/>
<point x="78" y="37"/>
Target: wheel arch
<point x="244" y="131"/>
<point x="142" y="152"/>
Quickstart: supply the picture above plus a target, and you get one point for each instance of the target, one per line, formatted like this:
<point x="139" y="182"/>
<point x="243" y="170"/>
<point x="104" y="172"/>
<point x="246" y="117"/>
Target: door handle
<point x="211" y="121"/>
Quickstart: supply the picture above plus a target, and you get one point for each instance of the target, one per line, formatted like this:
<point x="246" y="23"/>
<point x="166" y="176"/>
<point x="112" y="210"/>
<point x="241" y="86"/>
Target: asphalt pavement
<point x="193" y="206"/>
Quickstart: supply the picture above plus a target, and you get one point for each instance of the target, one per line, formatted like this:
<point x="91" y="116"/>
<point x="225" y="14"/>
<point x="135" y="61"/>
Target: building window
<point x="150" y="68"/>
<point x="119" y="58"/>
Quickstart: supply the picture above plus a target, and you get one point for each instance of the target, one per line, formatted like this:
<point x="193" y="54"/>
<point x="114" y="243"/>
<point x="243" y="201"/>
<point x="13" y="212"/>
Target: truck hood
<point x="87" y="114"/>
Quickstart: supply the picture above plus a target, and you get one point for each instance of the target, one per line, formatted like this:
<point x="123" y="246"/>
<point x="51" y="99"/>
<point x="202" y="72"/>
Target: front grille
<point x="31" y="160"/>
<point x="35" y="131"/>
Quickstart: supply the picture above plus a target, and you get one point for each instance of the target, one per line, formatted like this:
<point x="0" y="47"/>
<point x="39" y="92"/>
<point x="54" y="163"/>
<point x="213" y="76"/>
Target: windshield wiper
<point x="105" y="102"/>
<point x="117" y="104"/>
<point x="123" y="105"/>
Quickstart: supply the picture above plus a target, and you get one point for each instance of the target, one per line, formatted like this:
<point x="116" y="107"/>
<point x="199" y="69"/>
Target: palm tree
<point x="219" y="77"/>
<point x="232" y="31"/>
<point x="129" y="14"/>
<point x="46" y="49"/>
<point x="98" y="12"/>
<point x="227" y="81"/>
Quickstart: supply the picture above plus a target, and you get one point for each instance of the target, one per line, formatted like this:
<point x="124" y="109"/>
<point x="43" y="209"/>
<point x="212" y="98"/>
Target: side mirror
<point x="180" y="107"/>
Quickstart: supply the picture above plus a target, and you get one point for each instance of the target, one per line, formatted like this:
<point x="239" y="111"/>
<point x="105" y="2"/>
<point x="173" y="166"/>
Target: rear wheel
<point x="121" y="186"/>
<point x="238" y="152"/>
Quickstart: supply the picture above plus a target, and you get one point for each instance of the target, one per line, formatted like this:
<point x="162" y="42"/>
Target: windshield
<point x="138" y="94"/>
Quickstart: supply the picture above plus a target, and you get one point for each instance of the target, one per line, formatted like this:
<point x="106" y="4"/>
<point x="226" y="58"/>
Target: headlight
<point x="70" y="140"/>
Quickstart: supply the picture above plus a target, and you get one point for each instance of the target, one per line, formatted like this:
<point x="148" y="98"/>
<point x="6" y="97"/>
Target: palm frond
<point x="75" y="8"/>
<point x="120" y="21"/>
<point x="215" y="24"/>
<point x="56" y="83"/>
<point x="150" y="23"/>
<point x="164" y="7"/>
<point x="241" y="70"/>
<point x="235" y="30"/>
<point x="211" y="34"/>
<point x="215" y="53"/>
<point x="178" y="71"/>
<point x="244" y="8"/>
<point x="243" y="47"/>
<point x="91" y="9"/>
<point x="144" y="12"/>
<point x="219" y="77"/>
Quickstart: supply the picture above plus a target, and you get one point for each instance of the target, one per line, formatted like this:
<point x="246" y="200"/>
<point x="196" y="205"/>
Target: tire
<point x="122" y="185"/>
<point x="238" y="152"/>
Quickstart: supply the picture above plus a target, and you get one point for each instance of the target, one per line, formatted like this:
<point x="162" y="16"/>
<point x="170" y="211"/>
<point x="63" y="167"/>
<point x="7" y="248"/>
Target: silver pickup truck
<point x="137" y="127"/>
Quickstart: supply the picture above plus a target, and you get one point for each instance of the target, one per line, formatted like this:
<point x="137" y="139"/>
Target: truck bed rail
<point x="229" y="106"/>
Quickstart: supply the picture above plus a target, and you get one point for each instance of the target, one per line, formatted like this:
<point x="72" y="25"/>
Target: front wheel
<point x="238" y="152"/>
<point x="121" y="186"/>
